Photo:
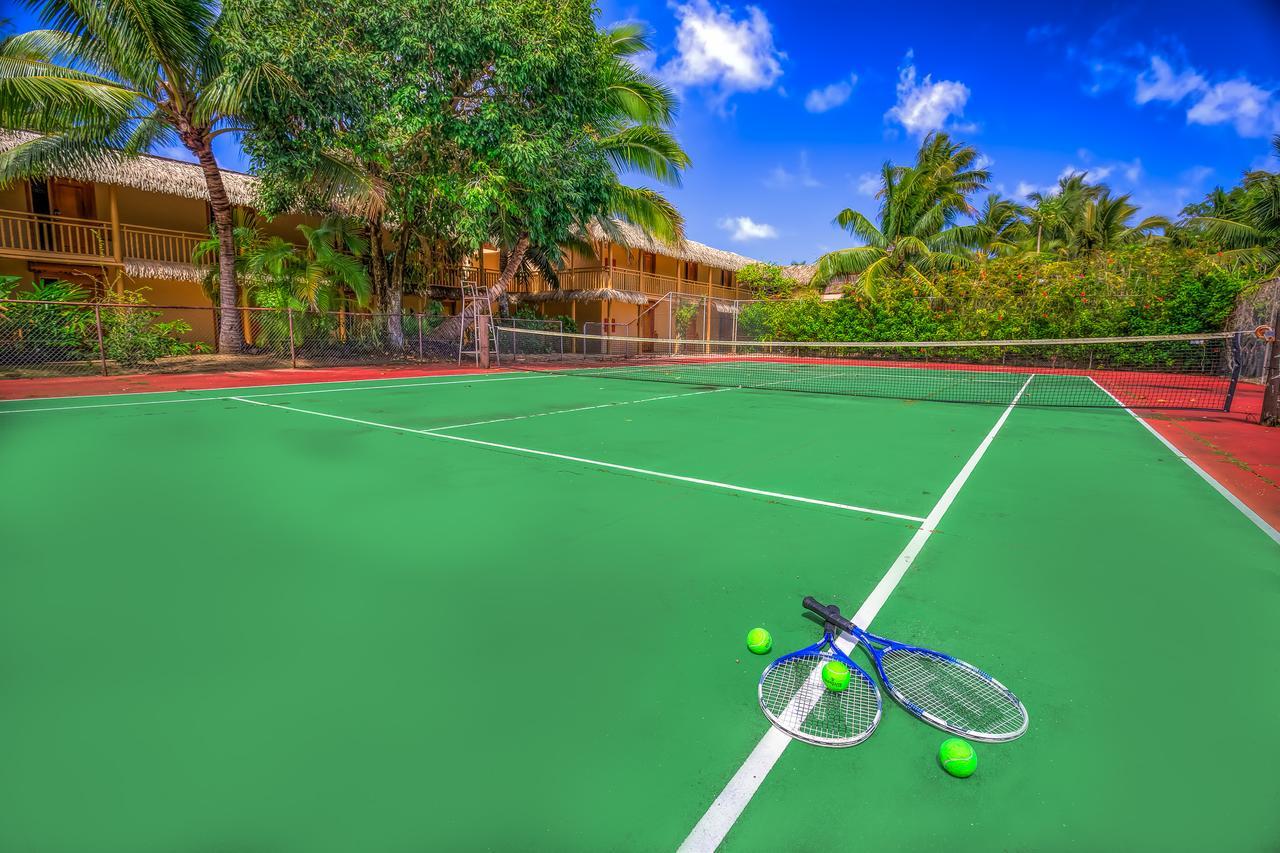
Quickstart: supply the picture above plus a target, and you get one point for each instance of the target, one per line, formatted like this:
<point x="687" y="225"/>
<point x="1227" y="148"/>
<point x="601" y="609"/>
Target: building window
<point x="648" y="262"/>
<point x="690" y="270"/>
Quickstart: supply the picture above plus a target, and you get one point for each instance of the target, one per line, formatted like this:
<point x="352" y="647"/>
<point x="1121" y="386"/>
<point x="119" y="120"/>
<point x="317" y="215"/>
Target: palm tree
<point x="1053" y="213"/>
<point x="118" y="79"/>
<point x="314" y="276"/>
<point x="1105" y="221"/>
<point x="916" y="235"/>
<point x="1247" y="225"/>
<point x="999" y="228"/>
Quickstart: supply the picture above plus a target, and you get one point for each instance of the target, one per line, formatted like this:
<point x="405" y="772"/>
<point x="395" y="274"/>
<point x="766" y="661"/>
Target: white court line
<point x="1205" y="475"/>
<point x="715" y="824"/>
<point x="238" y="387"/>
<point x="596" y="463"/>
<point x="275" y="394"/>
<point x="580" y="409"/>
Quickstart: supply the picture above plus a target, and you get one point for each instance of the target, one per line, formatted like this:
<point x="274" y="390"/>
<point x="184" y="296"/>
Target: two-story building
<point x="135" y="222"/>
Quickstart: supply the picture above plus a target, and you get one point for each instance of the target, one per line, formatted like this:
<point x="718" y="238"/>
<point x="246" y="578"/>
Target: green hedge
<point x="1139" y="290"/>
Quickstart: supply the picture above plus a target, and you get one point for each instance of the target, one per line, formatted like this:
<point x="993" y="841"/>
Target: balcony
<point x="62" y="239"/>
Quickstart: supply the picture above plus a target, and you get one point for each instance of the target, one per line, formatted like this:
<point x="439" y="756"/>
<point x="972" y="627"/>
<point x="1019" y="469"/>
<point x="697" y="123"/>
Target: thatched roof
<point x="149" y="173"/>
<point x="689" y="250"/>
<point x="800" y="273"/>
<point x="602" y="294"/>
<point x="163" y="270"/>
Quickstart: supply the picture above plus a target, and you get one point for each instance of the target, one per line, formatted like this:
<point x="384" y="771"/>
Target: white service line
<point x="595" y="463"/>
<point x="1208" y="478"/>
<point x="725" y="810"/>
<point x="275" y="394"/>
<point x="580" y="409"/>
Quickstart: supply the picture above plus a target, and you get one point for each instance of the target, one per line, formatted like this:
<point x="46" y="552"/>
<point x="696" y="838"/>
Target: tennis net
<point x="1174" y="372"/>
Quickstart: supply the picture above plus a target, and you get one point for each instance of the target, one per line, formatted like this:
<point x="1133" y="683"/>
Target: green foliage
<point x="765" y="281"/>
<point x="134" y="336"/>
<point x="684" y="314"/>
<point x="48" y="332"/>
<point x="1135" y="290"/>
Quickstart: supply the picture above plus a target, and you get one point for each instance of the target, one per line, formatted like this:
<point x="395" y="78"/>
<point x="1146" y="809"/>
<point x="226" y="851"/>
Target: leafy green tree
<point x="916" y="236"/>
<point x="117" y="79"/>
<point x="765" y="281"/>
<point x="1105" y="222"/>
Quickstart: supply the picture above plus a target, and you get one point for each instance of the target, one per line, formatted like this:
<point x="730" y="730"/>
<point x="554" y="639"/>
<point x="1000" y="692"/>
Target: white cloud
<point x="983" y="162"/>
<point x="868" y="183"/>
<point x="831" y="96"/>
<point x="743" y="228"/>
<point x="925" y="106"/>
<point x="717" y="50"/>
<point x="1196" y="175"/>
<point x="1133" y="171"/>
<point x="1026" y="188"/>
<point x="1251" y="109"/>
<point x="1160" y="83"/>
<point x="781" y="178"/>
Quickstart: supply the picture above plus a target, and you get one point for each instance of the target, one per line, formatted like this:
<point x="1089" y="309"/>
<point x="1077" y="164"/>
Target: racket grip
<point x="829" y="613"/>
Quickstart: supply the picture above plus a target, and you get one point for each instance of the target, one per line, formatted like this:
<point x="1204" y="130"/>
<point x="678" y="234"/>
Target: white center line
<point x="715" y="824"/>
<point x="580" y="409"/>
<point x="597" y="463"/>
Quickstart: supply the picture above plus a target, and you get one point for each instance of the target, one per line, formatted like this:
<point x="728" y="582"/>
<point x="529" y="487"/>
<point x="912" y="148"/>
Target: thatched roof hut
<point x="149" y="173"/>
<point x="688" y="250"/>
<point x="605" y="294"/>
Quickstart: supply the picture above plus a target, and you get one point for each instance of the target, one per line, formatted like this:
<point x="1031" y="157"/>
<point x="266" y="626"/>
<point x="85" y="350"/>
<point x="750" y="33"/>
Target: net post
<point x="420" y="336"/>
<point x="102" y="350"/>
<point x="293" y="355"/>
<point x="1236" y="358"/>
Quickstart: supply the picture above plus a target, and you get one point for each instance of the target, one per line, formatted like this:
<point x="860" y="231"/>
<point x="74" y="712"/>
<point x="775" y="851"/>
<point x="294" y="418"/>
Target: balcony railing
<point x="35" y="236"/>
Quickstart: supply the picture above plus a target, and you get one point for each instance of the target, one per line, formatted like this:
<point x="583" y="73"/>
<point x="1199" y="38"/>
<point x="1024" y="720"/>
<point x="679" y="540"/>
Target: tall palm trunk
<point x="230" y="328"/>
<point x="451" y="328"/>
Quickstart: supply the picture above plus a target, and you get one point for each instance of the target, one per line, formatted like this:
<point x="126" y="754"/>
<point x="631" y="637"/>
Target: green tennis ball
<point x="759" y="641"/>
<point x="957" y="757"/>
<point x="835" y="675"/>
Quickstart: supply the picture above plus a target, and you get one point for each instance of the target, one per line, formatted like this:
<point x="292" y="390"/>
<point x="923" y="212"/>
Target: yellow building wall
<point x="154" y="210"/>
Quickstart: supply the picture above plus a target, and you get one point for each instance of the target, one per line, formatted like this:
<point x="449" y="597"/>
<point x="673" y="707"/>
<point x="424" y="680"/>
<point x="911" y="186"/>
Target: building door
<point x="71" y="198"/>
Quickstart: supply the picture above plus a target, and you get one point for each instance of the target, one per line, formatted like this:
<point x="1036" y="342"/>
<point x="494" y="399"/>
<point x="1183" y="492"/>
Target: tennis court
<point x="507" y="611"/>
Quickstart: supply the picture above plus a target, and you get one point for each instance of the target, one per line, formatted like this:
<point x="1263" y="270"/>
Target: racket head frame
<point x="824" y="648"/>
<point x="877" y="646"/>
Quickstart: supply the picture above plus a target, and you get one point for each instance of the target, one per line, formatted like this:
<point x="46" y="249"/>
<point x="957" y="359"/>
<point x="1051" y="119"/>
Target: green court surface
<point x="507" y="612"/>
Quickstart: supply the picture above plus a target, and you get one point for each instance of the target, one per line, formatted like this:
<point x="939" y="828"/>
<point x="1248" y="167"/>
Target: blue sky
<point x="788" y="107"/>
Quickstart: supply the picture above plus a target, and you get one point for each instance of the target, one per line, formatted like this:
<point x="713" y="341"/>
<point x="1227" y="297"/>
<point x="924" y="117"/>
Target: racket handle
<point x="830" y="613"/>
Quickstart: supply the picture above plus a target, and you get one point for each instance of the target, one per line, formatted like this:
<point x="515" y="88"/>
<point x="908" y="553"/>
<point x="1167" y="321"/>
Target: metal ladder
<point x="477" y="319"/>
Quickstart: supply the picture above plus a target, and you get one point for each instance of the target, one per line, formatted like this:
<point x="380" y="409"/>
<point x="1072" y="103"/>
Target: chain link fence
<point x="41" y="339"/>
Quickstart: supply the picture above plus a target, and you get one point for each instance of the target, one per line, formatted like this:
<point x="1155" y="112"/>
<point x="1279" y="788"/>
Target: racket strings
<point x="795" y="699"/>
<point x="954" y="693"/>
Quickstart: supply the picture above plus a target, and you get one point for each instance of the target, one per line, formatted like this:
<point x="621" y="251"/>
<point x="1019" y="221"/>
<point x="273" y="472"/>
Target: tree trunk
<point x="395" y="290"/>
<point x="1271" y="377"/>
<point x="451" y="328"/>
<point x="377" y="262"/>
<point x="230" y="328"/>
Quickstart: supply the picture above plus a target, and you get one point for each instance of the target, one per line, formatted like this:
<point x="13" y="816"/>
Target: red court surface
<point x="1231" y="446"/>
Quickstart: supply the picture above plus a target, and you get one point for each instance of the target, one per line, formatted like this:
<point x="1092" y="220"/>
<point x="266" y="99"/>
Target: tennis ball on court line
<point x="759" y="641"/>
<point x="957" y="757"/>
<point x="835" y="675"/>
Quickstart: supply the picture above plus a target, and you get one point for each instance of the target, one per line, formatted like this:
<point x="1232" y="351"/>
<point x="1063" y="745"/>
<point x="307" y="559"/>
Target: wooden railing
<point x="599" y="278"/>
<point x="160" y="244"/>
<point x="34" y="235"/>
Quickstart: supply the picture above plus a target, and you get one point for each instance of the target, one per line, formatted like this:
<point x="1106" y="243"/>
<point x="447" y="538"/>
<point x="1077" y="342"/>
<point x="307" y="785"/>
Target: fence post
<point x="293" y="355"/>
<point x="420" y="358"/>
<point x="102" y="350"/>
<point x="1271" y="377"/>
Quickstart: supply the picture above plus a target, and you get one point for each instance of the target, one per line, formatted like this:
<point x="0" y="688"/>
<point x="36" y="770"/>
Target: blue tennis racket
<point x="953" y="695"/>
<point x="795" y="699"/>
